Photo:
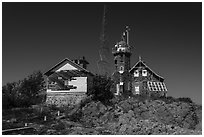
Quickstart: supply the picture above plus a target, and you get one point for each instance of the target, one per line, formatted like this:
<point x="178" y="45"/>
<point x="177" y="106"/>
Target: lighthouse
<point x="121" y="75"/>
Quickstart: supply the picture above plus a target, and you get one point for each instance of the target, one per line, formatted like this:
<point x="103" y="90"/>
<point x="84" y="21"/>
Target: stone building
<point x="68" y="82"/>
<point x="138" y="80"/>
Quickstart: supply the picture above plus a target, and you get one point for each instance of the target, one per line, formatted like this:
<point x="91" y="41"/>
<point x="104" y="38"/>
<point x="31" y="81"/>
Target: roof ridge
<point x="152" y="70"/>
<point x="73" y="63"/>
<point x="78" y="65"/>
<point x="146" y="66"/>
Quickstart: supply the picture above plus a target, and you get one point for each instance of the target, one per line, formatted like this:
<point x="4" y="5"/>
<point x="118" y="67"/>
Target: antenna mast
<point x="103" y="63"/>
<point x="103" y="32"/>
<point x="103" y="25"/>
<point x="127" y="34"/>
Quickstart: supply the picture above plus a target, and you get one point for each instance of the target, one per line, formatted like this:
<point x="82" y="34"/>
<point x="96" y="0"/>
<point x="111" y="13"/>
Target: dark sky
<point x="168" y="36"/>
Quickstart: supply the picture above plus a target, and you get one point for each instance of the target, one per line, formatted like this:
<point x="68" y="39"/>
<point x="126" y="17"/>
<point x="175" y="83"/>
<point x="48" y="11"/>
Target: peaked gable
<point x="141" y="63"/>
<point x="66" y="64"/>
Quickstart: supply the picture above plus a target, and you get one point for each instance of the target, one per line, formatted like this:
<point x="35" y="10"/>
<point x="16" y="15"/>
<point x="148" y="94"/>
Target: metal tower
<point x="104" y="51"/>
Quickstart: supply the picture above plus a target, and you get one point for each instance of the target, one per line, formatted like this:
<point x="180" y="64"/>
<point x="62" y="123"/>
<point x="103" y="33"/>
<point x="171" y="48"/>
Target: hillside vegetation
<point x="103" y="114"/>
<point x="133" y="116"/>
<point x="23" y="93"/>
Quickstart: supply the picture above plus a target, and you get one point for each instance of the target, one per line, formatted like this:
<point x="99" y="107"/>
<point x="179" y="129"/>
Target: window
<point x="66" y="82"/>
<point x="117" y="89"/>
<point x="137" y="89"/>
<point x="123" y="49"/>
<point x="121" y="58"/>
<point x="115" y="61"/>
<point x="144" y="73"/>
<point x="136" y="73"/>
<point x="121" y="69"/>
<point x="128" y="85"/>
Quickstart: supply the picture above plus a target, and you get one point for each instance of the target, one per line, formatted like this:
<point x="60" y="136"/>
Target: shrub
<point x="23" y="93"/>
<point x="101" y="89"/>
<point x="185" y="99"/>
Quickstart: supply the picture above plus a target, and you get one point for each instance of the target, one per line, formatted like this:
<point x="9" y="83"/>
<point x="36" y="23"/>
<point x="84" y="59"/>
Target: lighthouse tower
<point x="121" y="76"/>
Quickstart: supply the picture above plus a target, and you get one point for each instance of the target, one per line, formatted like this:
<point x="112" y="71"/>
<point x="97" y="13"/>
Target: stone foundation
<point x="64" y="98"/>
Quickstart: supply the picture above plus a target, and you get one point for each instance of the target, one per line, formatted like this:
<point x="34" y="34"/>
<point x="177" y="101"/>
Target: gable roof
<point x="64" y="62"/>
<point x="141" y="63"/>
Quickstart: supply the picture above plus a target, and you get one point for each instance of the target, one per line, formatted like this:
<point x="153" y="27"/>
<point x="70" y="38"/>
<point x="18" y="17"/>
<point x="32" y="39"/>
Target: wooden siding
<point x="67" y="67"/>
<point x="76" y="84"/>
<point x="80" y="83"/>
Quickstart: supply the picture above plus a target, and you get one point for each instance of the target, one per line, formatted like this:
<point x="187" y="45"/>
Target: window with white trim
<point x="144" y="73"/>
<point x="121" y="69"/>
<point x="117" y="89"/>
<point x="136" y="73"/>
<point x="121" y="83"/>
<point x="137" y="89"/>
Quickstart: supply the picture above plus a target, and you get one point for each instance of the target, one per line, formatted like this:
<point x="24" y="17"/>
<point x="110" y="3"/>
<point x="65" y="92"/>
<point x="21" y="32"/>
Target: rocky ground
<point x="122" y="117"/>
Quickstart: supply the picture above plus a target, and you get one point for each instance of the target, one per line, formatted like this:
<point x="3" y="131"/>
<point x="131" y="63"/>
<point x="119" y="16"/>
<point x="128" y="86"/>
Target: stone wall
<point x="64" y="98"/>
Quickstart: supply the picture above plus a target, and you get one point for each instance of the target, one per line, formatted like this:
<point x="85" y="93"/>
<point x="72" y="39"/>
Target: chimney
<point x="81" y="62"/>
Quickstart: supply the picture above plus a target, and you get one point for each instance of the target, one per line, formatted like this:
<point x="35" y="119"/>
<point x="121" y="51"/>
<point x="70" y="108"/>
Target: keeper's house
<point x="145" y="81"/>
<point x="68" y="82"/>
